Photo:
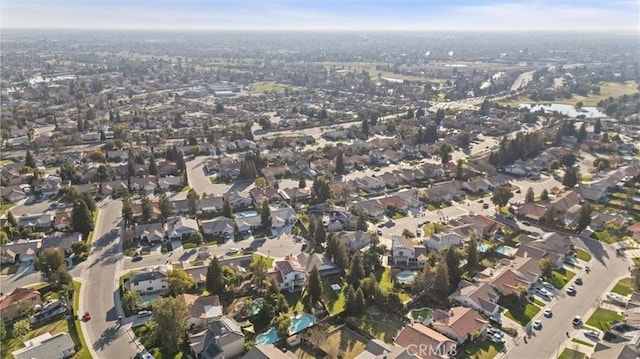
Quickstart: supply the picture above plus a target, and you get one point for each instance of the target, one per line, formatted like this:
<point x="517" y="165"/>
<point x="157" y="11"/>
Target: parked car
<point x="144" y="313"/>
<point x="136" y="258"/>
<point x="485" y="206"/>
<point x="537" y="325"/>
<point x="571" y="290"/>
<point x="576" y="320"/>
<point x="543" y="292"/>
<point x="497" y="339"/>
<point x="579" y="281"/>
<point x="233" y="250"/>
<point x="548" y="313"/>
<point x="592" y="334"/>
<point x="548" y="285"/>
<point x="86" y="317"/>
<point x="526" y="223"/>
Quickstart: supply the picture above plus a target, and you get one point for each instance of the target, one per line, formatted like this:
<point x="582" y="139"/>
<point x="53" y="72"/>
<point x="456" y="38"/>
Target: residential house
<point x="371" y="208"/>
<point x="47" y="346"/>
<point x="62" y="220"/>
<point x="442" y="241"/>
<point x="246" y="225"/>
<point x="415" y="336"/>
<point x="402" y="250"/>
<point x="259" y="195"/>
<point x="13" y="304"/>
<point x="459" y="323"/>
<point x="151" y="280"/>
<point x="37" y="222"/>
<point x="507" y="281"/>
<point x="301" y="195"/>
<point x="222" y="339"/>
<point x="239" y="200"/>
<point x="482" y="297"/>
<point x="600" y="220"/>
<point x="289" y="274"/>
<point x="149" y="232"/>
<point x="634" y="230"/>
<point x="145" y="183"/>
<point x="51" y="186"/>
<point x="167" y="168"/>
<point x="281" y="218"/>
<point x="182" y="228"/>
<point x="168" y="183"/>
<point x="13" y="194"/>
<point x="325" y="265"/>
<point x="531" y="211"/>
<point x="377" y="349"/>
<point x="445" y="192"/>
<point x="62" y="241"/>
<point x="370" y="184"/>
<point x="477" y="186"/>
<point x="113" y="188"/>
<point x="395" y="202"/>
<point x="354" y="241"/>
<point x="595" y="191"/>
<point x="202" y="310"/>
<point x="22" y="250"/>
<point x="211" y="204"/>
<point x="218" y="227"/>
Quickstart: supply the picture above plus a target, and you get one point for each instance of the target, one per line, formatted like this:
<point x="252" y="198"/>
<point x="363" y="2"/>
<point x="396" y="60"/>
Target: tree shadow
<point x="107" y="337"/>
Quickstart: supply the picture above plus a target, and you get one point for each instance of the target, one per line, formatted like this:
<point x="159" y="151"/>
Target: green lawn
<point x="624" y="286"/>
<point x="5" y="207"/>
<point x="523" y="317"/>
<point x="84" y="352"/>
<point x="343" y="342"/>
<point x="145" y="334"/>
<point x="481" y="349"/>
<point x="602" y="319"/>
<point x="538" y="302"/>
<point x="385" y="283"/>
<point x="11" y="344"/>
<point x="582" y="342"/>
<point x="383" y="326"/>
<point x="583" y="255"/>
<point x="571" y="354"/>
<point x="606" y="237"/>
<point x="8" y="269"/>
<point x="271" y="87"/>
<point x="268" y="260"/>
<point x="560" y="277"/>
<point x="335" y="300"/>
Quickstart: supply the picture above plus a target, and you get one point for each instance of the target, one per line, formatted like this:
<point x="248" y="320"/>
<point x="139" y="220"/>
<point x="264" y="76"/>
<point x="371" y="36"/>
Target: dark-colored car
<point x="86" y="317"/>
<point x="579" y="281"/>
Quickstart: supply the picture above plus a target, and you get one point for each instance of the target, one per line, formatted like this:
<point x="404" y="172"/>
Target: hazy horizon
<point x="324" y="15"/>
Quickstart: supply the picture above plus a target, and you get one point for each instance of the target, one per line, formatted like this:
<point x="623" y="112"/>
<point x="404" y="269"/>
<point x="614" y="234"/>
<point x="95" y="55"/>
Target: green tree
<point x="360" y="303"/>
<point x="597" y="127"/>
<point x="356" y="271"/>
<point x="11" y="220"/>
<point x="361" y="224"/>
<point x="439" y="117"/>
<point x="192" y="199"/>
<point x="3" y="330"/>
<point x="282" y="324"/>
<point x="320" y="190"/>
<point x="147" y="209"/>
<point x="545" y="266"/>
<point x="153" y="166"/>
<point x="80" y="247"/>
<point x="337" y="252"/>
<point x="460" y="169"/>
<point x="258" y="271"/>
<point x="571" y="177"/>
<point x="88" y="199"/>
<point x="214" y="282"/>
<point x="365" y="129"/>
<point x="127" y="209"/>
<point x="130" y="300"/>
<point x="530" y="196"/>
<point x="453" y="265"/>
<point x="265" y="215"/>
<point x="441" y="281"/>
<point x="582" y="133"/>
<point x="350" y="301"/>
<point x="340" y="163"/>
<point x="320" y="235"/>
<point x="544" y="196"/>
<point x="29" y="160"/>
<point x="260" y="182"/>
<point x="501" y="195"/>
<point x="171" y="316"/>
<point x="472" y="254"/>
<point x="21" y="328"/>
<point x="226" y="208"/>
<point x="179" y="281"/>
<point x="81" y="218"/>
<point x="302" y="183"/>
<point x="165" y="206"/>
<point x="314" y="286"/>
<point x="584" y="217"/>
<point x="445" y="152"/>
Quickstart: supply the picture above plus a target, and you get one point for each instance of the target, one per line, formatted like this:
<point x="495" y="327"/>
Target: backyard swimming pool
<point x="245" y="214"/>
<point x="506" y="251"/>
<point x="421" y="314"/>
<point x="406" y="276"/>
<point x="301" y="322"/>
<point x="268" y="337"/>
<point x="481" y="247"/>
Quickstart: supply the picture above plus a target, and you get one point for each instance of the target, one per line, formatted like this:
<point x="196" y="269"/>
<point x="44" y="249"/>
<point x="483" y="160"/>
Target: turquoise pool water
<point x="255" y="308"/>
<point x="406" y="276"/>
<point x="481" y="247"/>
<point x="268" y="337"/>
<point x="148" y="299"/>
<point x="245" y="214"/>
<point x="301" y="322"/>
<point x="506" y="251"/>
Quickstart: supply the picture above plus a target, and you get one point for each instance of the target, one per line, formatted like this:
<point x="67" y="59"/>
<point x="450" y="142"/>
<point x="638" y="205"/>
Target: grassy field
<point x="482" y="349"/>
<point x="6" y="207"/>
<point x="268" y="260"/>
<point x="271" y="87"/>
<point x="560" y="277"/>
<point x="335" y="300"/>
<point x="525" y="316"/>
<point x="583" y="255"/>
<point x="385" y="283"/>
<point x="11" y="344"/>
<point x="345" y="342"/>
<point x="602" y="319"/>
<point x="571" y="354"/>
<point x="607" y="89"/>
<point x="582" y="342"/>
<point x="383" y="326"/>
<point x="370" y="67"/>
<point x="624" y="286"/>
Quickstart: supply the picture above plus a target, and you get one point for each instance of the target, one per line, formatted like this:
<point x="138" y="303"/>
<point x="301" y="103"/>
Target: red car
<point x="86" y="317"/>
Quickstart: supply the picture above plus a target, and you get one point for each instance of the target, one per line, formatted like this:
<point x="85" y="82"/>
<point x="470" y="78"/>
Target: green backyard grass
<point x="267" y="260"/>
<point x="385" y="283"/>
<point x="624" y="286"/>
<point x="560" y="277"/>
<point x="5" y="207"/>
<point x="481" y="349"/>
<point x="582" y="342"/>
<point x="602" y="319"/>
<point x="383" y="326"/>
<point x="335" y="300"/>
<point x="523" y="317"/>
<point x="344" y="342"/>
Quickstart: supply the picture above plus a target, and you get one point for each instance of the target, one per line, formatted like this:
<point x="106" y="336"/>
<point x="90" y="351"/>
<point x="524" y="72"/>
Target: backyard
<point x="385" y="283"/>
<point x="334" y="299"/>
<point x="145" y="334"/>
<point x="624" y="286"/>
<point x="379" y="324"/>
<point x="602" y="319"/>
<point x="343" y="341"/>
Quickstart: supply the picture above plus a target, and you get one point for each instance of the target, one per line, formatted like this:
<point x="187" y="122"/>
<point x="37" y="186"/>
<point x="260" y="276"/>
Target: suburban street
<point x="545" y="343"/>
<point x="104" y="336"/>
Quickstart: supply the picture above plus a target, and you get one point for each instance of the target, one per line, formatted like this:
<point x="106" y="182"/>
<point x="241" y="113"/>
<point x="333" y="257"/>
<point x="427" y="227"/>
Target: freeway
<point x="99" y="292"/>
<point x="605" y="267"/>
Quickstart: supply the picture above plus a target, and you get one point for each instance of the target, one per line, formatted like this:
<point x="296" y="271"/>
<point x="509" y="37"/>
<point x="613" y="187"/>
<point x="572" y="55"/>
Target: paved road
<point x="105" y="338"/>
<point x="605" y="266"/>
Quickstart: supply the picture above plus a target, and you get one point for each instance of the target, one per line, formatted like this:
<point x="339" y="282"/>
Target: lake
<point x="569" y="110"/>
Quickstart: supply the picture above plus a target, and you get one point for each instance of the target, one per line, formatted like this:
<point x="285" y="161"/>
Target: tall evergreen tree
<point x="127" y="209"/>
<point x="302" y="183"/>
<point x="314" y="286"/>
<point x="147" y="209"/>
<point x="29" y="161"/>
<point x="88" y="199"/>
<point x="453" y="265"/>
<point x="441" y="281"/>
<point x="582" y="133"/>
<point x="597" y="127"/>
<point x="192" y="199"/>
<point x="265" y="215"/>
<point x="356" y="271"/>
<point x="81" y="218"/>
<point x="320" y="235"/>
<point x="226" y="208"/>
<point x="340" y="163"/>
<point x="570" y="178"/>
<point x="472" y="254"/>
<point x="153" y="167"/>
<point x="214" y="282"/>
<point x="165" y="206"/>
<point x="584" y="217"/>
<point x="439" y="117"/>
<point x="11" y="220"/>
<point x="530" y="196"/>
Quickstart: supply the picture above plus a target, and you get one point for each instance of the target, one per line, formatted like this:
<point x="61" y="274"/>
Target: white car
<point x="592" y="334"/>
<point x="543" y="292"/>
<point x="496" y="338"/>
<point x="576" y="320"/>
<point x="537" y="325"/>
<point x="144" y="313"/>
<point x="233" y="250"/>
<point x="571" y="290"/>
<point x="548" y="313"/>
<point x="548" y="285"/>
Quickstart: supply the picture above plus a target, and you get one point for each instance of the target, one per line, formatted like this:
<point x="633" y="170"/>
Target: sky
<point x="483" y="15"/>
